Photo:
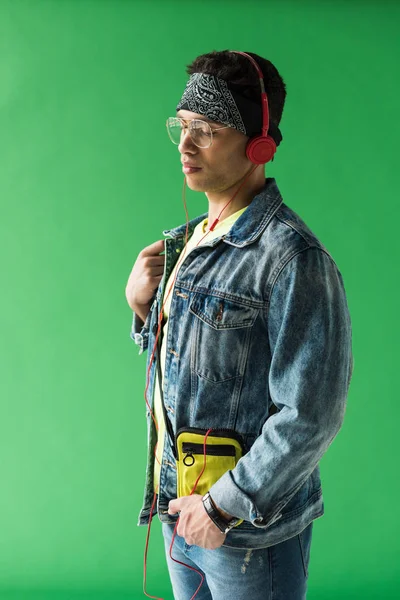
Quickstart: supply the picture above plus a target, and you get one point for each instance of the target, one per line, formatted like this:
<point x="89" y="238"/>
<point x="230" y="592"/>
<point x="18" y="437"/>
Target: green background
<point x="88" y="178"/>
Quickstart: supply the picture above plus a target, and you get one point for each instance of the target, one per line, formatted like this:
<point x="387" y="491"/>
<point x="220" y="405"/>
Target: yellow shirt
<point x="221" y="228"/>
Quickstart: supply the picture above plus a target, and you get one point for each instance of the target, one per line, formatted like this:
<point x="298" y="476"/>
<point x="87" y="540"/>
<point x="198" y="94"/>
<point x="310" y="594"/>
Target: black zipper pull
<point x="188" y="455"/>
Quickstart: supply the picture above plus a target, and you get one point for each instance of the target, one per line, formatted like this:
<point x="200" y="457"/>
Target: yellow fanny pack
<point x="224" y="447"/>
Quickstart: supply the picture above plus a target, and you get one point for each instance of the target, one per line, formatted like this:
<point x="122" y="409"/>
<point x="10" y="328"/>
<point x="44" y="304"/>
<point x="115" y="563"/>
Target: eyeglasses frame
<point x="185" y="121"/>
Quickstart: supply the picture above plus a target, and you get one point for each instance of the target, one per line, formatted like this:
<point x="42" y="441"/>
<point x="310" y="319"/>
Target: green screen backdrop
<point x="88" y="178"/>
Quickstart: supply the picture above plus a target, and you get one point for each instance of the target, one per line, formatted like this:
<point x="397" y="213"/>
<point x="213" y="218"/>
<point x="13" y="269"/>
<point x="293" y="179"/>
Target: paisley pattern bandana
<point x="221" y="101"/>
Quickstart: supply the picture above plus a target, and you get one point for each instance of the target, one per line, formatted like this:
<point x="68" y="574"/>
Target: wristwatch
<point x="223" y="525"/>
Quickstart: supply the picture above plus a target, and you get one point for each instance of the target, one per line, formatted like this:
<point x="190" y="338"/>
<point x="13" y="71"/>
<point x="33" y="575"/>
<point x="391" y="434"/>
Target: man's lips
<point x="189" y="169"/>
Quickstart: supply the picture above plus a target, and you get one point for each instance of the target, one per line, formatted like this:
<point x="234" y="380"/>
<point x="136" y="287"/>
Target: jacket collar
<point x="250" y="224"/>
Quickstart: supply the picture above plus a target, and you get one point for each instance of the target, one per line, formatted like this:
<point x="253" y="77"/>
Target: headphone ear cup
<point x="260" y="149"/>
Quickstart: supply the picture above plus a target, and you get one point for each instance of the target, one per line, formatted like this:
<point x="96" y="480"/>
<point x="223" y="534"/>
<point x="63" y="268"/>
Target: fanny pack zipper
<point x="211" y="450"/>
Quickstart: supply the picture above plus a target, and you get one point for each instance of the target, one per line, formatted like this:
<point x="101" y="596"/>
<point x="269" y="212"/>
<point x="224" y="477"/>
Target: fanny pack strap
<point x="166" y="419"/>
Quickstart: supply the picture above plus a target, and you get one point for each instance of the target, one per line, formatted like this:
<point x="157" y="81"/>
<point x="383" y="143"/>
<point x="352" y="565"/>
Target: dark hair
<point x="239" y="70"/>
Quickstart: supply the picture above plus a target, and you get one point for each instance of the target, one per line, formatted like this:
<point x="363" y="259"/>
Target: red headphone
<point x="260" y="149"/>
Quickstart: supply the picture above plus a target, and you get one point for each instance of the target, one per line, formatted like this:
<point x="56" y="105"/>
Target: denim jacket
<point x="259" y="341"/>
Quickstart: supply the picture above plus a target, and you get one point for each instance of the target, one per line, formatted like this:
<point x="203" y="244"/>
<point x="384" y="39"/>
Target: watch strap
<point x="223" y="525"/>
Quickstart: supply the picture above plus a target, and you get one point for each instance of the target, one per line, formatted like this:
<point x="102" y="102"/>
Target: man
<point x="256" y="338"/>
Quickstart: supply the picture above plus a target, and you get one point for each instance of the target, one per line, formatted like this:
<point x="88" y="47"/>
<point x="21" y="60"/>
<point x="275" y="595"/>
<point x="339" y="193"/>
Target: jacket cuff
<point x="140" y="331"/>
<point x="230" y="498"/>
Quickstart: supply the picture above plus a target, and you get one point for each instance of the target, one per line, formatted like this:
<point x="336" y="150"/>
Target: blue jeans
<point x="278" y="572"/>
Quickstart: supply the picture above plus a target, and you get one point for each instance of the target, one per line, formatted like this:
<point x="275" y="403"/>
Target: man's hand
<point x="194" y="523"/>
<point x="145" y="278"/>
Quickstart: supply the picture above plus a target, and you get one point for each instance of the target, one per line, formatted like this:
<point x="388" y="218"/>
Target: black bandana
<point x="221" y="101"/>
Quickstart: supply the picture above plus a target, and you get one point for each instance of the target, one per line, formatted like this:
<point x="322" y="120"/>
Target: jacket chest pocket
<point x="220" y="337"/>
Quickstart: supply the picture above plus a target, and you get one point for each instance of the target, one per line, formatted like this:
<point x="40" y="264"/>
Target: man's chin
<point x="194" y="185"/>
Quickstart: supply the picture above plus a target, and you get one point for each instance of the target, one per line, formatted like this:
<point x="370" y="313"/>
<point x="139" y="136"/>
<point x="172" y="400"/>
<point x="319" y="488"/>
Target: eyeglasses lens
<point x="199" y="131"/>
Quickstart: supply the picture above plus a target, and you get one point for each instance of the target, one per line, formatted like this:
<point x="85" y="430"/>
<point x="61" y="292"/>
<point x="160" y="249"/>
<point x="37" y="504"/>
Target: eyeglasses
<point x="200" y="131"/>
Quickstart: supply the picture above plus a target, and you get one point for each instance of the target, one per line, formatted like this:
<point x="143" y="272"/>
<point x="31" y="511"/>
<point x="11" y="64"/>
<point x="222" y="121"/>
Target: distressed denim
<point x="279" y="572"/>
<point x="259" y="341"/>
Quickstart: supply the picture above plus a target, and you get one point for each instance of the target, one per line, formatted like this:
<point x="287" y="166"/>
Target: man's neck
<point x="218" y="200"/>
<point x="226" y="213"/>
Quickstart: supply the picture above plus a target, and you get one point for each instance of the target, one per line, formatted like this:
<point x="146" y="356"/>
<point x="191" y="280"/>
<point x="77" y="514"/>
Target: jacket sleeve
<point x="310" y="337"/>
<point x="140" y="331"/>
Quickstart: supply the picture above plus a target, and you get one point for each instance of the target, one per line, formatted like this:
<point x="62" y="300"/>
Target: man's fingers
<point x="153" y="249"/>
<point x="177" y="504"/>
<point x="174" y="506"/>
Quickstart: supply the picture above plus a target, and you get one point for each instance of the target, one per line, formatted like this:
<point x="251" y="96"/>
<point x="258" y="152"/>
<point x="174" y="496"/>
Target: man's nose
<point x="186" y="142"/>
